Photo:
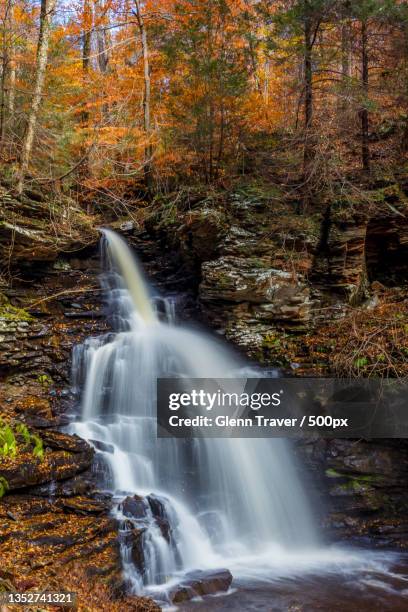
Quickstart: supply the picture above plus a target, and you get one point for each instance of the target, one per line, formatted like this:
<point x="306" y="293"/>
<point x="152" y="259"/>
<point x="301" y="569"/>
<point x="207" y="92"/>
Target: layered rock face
<point x="364" y="242"/>
<point x="266" y="275"/>
<point x="252" y="271"/>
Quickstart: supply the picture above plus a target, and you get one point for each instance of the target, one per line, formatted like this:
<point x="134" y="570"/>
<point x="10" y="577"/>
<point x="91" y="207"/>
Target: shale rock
<point x="272" y="295"/>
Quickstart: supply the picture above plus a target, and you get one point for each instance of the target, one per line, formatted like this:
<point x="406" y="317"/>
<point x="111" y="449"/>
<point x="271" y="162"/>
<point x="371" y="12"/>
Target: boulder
<point x="134" y="507"/>
<point x="199" y="583"/>
<point x="202" y="231"/>
<point x="103" y="446"/>
<point x="157" y="505"/>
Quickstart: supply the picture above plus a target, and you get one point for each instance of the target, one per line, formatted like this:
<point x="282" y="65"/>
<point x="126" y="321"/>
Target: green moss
<point x="223" y="280"/>
<point x="353" y="481"/>
<point x="330" y="473"/>
<point x="259" y="191"/>
<point x="271" y="341"/>
<point x="12" y="313"/>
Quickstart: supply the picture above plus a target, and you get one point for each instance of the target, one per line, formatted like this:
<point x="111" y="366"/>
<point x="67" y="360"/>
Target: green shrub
<point x="15" y="437"/>
<point x="3" y="486"/>
<point x="8" y="442"/>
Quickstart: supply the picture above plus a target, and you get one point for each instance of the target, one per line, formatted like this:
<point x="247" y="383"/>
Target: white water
<point x="229" y="502"/>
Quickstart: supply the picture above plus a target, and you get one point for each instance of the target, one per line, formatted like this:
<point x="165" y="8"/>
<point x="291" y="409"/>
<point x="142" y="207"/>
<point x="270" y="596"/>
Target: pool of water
<point x="372" y="582"/>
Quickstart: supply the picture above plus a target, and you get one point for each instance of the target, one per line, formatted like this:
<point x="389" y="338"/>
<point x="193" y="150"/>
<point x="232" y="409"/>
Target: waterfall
<point x="201" y="503"/>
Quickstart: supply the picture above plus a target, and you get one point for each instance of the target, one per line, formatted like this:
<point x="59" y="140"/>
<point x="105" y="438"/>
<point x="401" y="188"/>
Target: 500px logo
<point x="221" y="399"/>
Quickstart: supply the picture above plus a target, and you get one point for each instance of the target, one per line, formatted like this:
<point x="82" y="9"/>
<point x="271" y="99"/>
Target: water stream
<point x="207" y="503"/>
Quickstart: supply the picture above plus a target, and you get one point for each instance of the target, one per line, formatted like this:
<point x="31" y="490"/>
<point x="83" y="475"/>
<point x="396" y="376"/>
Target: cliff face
<point x="275" y="282"/>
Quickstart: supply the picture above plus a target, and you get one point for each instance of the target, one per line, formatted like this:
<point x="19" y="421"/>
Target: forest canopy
<point x="116" y="95"/>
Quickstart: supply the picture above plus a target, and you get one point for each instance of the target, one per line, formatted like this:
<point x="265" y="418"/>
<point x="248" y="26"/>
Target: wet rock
<point x="165" y="529"/>
<point x="134" y="507"/>
<point x="102" y="446"/>
<point x="158" y="508"/>
<point x="200" y="583"/>
<point x="157" y="505"/>
<point x="132" y="538"/>
<point x="62" y="441"/>
<point x="84" y="506"/>
<point x="81" y="484"/>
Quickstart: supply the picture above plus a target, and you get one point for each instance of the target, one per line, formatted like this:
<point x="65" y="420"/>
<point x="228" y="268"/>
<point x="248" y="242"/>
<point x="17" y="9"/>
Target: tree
<point x="146" y="94"/>
<point x="302" y="20"/>
<point x="46" y="15"/>
<point x="7" y="65"/>
<point x="207" y="91"/>
<point x="370" y="15"/>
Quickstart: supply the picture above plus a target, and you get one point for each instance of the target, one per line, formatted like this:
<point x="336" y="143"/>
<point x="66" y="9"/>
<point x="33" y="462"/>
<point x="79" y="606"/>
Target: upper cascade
<point x="121" y="257"/>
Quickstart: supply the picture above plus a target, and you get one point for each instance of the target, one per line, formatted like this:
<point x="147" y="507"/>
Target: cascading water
<point x="222" y="498"/>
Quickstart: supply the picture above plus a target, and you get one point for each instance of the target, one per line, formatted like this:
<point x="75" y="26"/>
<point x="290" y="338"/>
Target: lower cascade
<point x="183" y="505"/>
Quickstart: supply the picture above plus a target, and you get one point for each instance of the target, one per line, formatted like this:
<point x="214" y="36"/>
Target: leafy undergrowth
<point x="367" y="342"/>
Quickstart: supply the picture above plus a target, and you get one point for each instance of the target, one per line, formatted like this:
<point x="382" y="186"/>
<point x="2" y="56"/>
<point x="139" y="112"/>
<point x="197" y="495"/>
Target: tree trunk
<point x="4" y="71"/>
<point x="146" y="97"/>
<point x="11" y="80"/>
<point x="365" y="147"/>
<point x="343" y="104"/>
<point x="308" y="108"/>
<point x="5" y="65"/>
<point x="102" y="38"/>
<point x="47" y="10"/>
<point x="86" y="51"/>
<point x="84" y="168"/>
<point x="308" y="74"/>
